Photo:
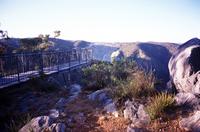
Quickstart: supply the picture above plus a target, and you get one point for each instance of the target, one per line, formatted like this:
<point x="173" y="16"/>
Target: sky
<point x="103" y="20"/>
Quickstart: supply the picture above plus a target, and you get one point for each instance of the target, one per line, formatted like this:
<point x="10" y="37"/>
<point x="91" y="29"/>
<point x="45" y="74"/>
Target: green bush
<point x="97" y="76"/>
<point x="102" y="74"/>
<point x="159" y="104"/>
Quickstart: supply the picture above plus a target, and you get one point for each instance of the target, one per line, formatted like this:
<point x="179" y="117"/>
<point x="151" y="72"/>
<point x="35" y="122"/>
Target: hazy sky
<point x="103" y="20"/>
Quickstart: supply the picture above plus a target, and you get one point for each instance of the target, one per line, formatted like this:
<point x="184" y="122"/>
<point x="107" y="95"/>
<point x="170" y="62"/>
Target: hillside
<point x="151" y="55"/>
<point x="13" y="44"/>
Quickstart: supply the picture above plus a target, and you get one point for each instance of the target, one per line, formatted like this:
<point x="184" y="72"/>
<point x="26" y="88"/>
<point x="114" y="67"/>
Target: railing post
<point x="41" y="63"/>
<point x="86" y="54"/>
<point x="69" y="59"/>
<point x="79" y="56"/>
<point x="92" y="55"/>
<point x="18" y="77"/>
<point x="58" y="56"/>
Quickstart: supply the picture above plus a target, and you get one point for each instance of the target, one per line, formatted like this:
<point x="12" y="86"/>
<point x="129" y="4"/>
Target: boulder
<point x="75" y="89"/>
<point x="54" y="113"/>
<point x="135" y="112"/>
<point x="111" y="108"/>
<point x="117" y="56"/>
<point x="130" y="110"/>
<point x="100" y="96"/>
<point x="103" y="97"/>
<point x="37" y="124"/>
<point x="184" y="67"/>
<point x="56" y="127"/>
<point x="191" y="123"/>
<point x="186" y="99"/>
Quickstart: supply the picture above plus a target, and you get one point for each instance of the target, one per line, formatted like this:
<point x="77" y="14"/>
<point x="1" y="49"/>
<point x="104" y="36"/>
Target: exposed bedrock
<point x="184" y="67"/>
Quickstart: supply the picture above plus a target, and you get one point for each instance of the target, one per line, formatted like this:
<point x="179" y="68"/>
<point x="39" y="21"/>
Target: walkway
<point x="17" y="68"/>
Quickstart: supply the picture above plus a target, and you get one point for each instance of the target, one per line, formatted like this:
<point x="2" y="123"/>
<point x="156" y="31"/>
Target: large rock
<point x="75" y="89"/>
<point x="184" y="67"/>
<point x="117" y="55"/>
<point x="135" y="112"/>
<point x="191" y="123"/>
<point x="111" y="109"/>
<point x="100" y="96"/>
<point x="186" y="99"/>
<point x="37" y="124"/>
<point x="56" y="127"/>
<point x="54" y="113"/>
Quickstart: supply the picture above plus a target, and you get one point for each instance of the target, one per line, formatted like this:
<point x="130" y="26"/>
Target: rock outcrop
<point x="37" y="124"/>
<point x="117" y="55"/>
<point x="102" y="97"/>
<point x="135" y="112"/>
<point x="188" y="99"/>
<point x="42" y="124"/>
<point x="191" y="123"/>
<point x="184" y="67"/>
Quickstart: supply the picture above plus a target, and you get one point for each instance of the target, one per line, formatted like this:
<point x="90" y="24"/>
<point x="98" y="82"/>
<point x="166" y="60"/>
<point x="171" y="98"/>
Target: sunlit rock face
<point x="117" y="55"/>
<point x="184" y="67"/>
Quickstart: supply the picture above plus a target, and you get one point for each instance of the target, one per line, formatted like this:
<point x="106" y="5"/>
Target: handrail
<point x="17" y="67"/>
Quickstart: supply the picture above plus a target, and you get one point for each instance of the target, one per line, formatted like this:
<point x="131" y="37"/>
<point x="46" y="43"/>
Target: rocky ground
<point x="80" y="110"/>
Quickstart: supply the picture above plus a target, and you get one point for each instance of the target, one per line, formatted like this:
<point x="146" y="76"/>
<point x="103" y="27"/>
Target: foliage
<point x="4" y="34"/>
<point x="102" y="74"/>
<point x="30" y="44"/>
<point x="159" y="104"/>
<point x="139" y="84"/>
<point x="56" y="33"/>
<point x="122" y="69"/>
<point x="97" y="75"/>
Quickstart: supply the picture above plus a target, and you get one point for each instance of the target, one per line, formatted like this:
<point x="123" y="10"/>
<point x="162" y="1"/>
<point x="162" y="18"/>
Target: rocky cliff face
<point x="184" y="67"/>
<point x="151" y="56"/>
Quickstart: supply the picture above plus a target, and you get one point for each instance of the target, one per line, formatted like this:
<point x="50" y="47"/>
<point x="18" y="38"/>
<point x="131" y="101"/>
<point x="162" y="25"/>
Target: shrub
<point x="138" y="85"/>
<point x="141" y="84"/>
<point x="159" y="104"/>
<point x="97" y="75"/>
<point x="102" y="74"/>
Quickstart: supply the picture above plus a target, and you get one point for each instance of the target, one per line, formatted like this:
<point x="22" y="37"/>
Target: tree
<point x="56" y="33"/>
<point x="3" y="34"/>
<point x="45" y="42"/>
<point x="30" y="44"/>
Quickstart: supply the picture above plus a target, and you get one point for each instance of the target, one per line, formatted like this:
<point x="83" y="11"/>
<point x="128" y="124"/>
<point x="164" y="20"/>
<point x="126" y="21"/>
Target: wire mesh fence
<point x="19" y="67"/>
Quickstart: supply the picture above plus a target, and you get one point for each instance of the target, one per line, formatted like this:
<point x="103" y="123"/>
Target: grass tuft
<point x="159" y="104"/>
<point x="138" y="85"/>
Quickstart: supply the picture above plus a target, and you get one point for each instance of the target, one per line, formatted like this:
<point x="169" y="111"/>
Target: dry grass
<point x="138" y="85"/>
<point x="159" y="104"/>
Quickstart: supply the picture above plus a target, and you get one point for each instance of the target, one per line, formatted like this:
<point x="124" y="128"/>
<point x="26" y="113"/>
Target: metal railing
<point x="19" y="67"/>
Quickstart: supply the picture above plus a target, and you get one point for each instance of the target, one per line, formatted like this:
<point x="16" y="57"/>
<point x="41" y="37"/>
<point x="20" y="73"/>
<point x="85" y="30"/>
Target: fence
<point x="19" y="67"/>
